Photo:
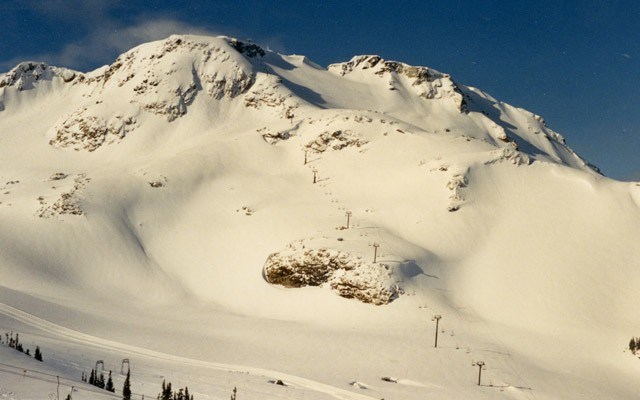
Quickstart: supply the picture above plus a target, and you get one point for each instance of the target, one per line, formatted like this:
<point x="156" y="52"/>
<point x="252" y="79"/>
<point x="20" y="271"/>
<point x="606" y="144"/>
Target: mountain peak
<point x="24" y="75"/>
<point x="380" y="66"/>
<point x="425" y="82"/>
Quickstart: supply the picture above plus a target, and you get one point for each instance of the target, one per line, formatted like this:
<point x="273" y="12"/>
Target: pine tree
<point x="233" y="395"/>
<point x="109" y="385"/>
<point x="101" y="381"/>
<point x="38" y="354"/>
<point x="126" y="389"/>
<point x="92" y="378"/>
<point x="167" y="393"/>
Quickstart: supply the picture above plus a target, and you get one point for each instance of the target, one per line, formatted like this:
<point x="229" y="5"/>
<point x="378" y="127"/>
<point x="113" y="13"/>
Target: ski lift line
<point x="381" y="238"/>
<point x="23" y="371"/>
<point x="43" y="324"/>
<point x="240" y="384"/>
<point x="503" y="349"/>
<point x="54" y="381"/>
<point x="38" y="322"/>
<point x="72" y="383"/>
<point x="503" y="355"/>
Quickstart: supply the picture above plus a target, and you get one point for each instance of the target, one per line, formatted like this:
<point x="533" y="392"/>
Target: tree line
<point x="14" y="343"/>
<point x="98" y="379"/>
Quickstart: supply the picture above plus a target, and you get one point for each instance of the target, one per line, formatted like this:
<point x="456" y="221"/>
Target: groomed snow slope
<point x="140" y="202"/>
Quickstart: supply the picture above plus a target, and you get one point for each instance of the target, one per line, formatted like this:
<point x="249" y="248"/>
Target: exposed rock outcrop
<point x="348" y="275"/>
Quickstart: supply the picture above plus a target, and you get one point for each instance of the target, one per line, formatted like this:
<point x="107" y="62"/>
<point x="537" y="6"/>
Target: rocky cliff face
<point x="427" y="83"/>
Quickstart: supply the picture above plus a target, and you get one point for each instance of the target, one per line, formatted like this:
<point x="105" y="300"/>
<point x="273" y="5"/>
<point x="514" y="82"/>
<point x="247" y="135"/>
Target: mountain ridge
<point x="175" y="98"/>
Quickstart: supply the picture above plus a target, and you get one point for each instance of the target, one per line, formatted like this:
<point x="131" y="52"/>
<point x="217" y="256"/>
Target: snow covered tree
<point x="126" y="388"/>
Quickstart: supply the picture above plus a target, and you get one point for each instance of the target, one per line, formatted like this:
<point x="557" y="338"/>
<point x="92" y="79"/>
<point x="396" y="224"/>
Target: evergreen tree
<point x="233" y="395"/>
<point x="101" y="381"/>
<point x="92" y="378"/>
<point x="38" y="354"/>
<point x="126" y="388"/>
<point x="167" y="393"/>
<point x="109" y="385"/>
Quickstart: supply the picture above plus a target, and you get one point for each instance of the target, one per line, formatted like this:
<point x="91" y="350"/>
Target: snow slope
<point x="140" y="204"/>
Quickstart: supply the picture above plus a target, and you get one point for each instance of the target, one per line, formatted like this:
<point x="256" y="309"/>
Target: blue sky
<point x="576" y="63"/>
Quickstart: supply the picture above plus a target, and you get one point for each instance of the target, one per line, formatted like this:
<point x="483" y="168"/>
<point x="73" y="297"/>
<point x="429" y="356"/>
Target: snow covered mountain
<point x="219" y="202"/>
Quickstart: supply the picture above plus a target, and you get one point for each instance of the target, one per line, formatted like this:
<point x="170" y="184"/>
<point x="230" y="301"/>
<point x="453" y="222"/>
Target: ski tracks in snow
<point x="70" y="334"/>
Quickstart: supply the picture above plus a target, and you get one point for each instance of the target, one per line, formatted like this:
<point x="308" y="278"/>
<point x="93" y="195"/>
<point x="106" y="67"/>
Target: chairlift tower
<point x="375" y="252"/>
<point x="348" y="214"/>
<point x="437" y="319"/>
<point x="125" y="361"/>
<point x="481" y="366"/>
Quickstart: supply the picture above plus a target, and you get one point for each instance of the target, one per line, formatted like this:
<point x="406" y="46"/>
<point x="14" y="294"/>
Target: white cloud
<point x="108" y="36"/>
<point x="104" y="44"/>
